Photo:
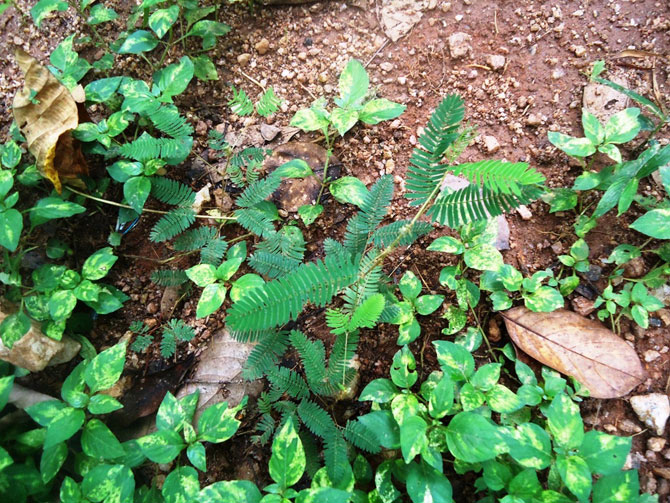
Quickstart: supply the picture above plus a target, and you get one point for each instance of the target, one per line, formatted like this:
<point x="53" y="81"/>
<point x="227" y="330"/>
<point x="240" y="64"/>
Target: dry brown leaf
<point x="46" y="119"/>
<point x="576" y="346"/>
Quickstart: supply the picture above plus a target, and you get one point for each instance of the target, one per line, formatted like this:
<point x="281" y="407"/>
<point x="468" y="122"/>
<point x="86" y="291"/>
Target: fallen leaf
<point x="46" y="113"/>
<point x="579" y="347"/>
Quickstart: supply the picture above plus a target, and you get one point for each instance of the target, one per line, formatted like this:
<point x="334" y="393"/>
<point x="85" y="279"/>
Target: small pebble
<point x="656" y="444"/>
<point x="243" y="59"/>
<point x="263" y="46"/>
<point x="524" y="212"/>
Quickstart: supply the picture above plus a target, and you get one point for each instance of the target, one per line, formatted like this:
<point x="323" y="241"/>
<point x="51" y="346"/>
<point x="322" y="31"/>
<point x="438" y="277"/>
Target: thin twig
<point x="251" y="79"/>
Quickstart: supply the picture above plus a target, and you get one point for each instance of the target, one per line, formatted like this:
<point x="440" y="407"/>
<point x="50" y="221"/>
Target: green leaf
<point x="501" y="399"/>
<point x="63" y="426"/>
<point x="10" y="158"/>
<point x="61" y="304"/>
<point x="11" y="225"/>
<point x="378" y="110"/>
<point x="413" y="437"/>
<point x="579" y="250"/>
<point x="545" y="299"/>
<point x="103" y="404"/>
<point x="409" y="331"/>
<point x="577" y="147"/>
<point x="138" y="42"/>
<point x="101" y="14"/>
<point x="202" y="274"/>
<point x="605" y="454"/>
<point x="136" y="190"/>
<point x="473" y="438"/>
<point x="621" y="487"/>
<point x="455" y="360"/>
<point x="353" y="84"/>
<point x="217" y="423"/>
<point x="109" y="483"/>
<point x="170" y="414"/>
<point x="484" y="257"/>
<point x="565" y="422"/>
<point x="162" y="20"/>
<point x="211" y="299"/>
<point x="343" y="119"/>
<point x="226" y="270"/>
<point x="410" y="286"/>
<point x="384" y="426"/>
<point x="310" y="212"/>
<point x="402" y="368"/>
<point x="174" y="79"/>
<point x="427" y="485"/>
<point x="204" y="68"/>
<point x="43" y="413"/>
<point x="121" y="171"/>
<point x="654" y="223"/>
<point x="230" y="491"/>
<point x="447" y="244"/>
<point x="45" y="7"/>
<point x="97" y="441"/>
<point x="349" y="189"/>
<point x="196" y="455"/>
<point x="53" y="207"/>
<point x="181" y="485"/>
<point x="13" y="328"/>
<point x="208" y="31"/>
<point x="441" y="398"/>
<point x="560" y="199"/>
<point x="622" y="126"/>
<point x="51" y="461"/>
<point x="486" y="376"/>
<point x="161" y="446"/>
<point x="612" y="151"/>
<point x="308" y="120"/>
<point x="105" y="369"/>
<point x="593" y="130"/>
<point x="530" y="446"/>
<point x="73" y="389"/>
<point x="576" y="474"/>
<point x="428" y="304"/>
<point x="244" y="285"/>
<point x="379" y="391"/>
<point x="287" y="462"/>
<point x="6" y="384"/>
<point x="627" y="195"/>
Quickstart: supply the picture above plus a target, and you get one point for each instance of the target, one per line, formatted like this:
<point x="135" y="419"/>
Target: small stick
<point x="252" y="79"/>
<point x="495" y="21"/>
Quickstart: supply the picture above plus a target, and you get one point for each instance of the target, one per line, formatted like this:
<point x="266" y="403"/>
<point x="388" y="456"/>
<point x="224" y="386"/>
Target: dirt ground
<point x="546" y="49"/>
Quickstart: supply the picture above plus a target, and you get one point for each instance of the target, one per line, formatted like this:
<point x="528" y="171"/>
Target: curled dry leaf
<point x="576" y="346"/>
<point x="46" y="113"/>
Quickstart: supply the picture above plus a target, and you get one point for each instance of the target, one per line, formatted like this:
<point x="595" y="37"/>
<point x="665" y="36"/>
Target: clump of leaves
<point x="174" y="331"/>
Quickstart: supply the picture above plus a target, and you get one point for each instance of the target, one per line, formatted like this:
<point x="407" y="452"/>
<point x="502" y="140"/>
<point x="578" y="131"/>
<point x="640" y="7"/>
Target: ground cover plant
<point x="455" y="414"/>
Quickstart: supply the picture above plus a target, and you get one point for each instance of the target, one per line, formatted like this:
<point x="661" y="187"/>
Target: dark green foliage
<point x="313" y="356"/>
<point x="284" y="380"/>
<point x="372" y="211"/>
<point x="282" y="300"/>
<point x="168" y="121"/>
<point x="195" y="239"/>
<point x="402" y="231"/>
<point x="280" y="253"/>
<point x="361" y="436"/>
<point x="340" y="369"/>
<point x="175" y="222"/>
<point x="266" y="428"/>
<point x="172" y="192"/>
<point x="176" y="330"/>
<point x="272" y="265"/>
<point x="142" y="340"/>
<point x="335" y="455"/>
<point x="258" y="191"/>
<point x="368" y="284"/>
<point x="146" y="147"/>
<point x="169" y="277"/>
<point x="213" y="252"/>
<point x="265" y="354"/>
<point x="317" y="420"/>
<point x="255" y="221"/>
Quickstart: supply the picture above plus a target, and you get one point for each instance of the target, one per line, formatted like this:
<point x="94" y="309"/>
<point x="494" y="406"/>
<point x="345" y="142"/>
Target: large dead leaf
<point x="576" y="346"/>
<point x="46" y="113"/>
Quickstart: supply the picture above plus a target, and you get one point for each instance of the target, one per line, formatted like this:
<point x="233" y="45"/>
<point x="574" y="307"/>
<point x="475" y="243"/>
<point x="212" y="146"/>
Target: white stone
<point x="459" y="44"/>
<point x="652" y="409"/>
<point x="524" y="212"/>
<point x="496" y="62"/>
<point x="491" y="144"/>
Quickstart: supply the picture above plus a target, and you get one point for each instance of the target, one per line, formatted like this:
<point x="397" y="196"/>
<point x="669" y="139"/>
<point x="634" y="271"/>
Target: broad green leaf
<point x="622" y="126"/>
<point x="54" y="207"/>
<point x="295" y="168"/>
<point x="138" y="42"/>
<point x="51" y="461"/>
<point x="447" y="244"/>
<point x="109" y="483"/>
<point x="217" y="423"/>
<point x="208" y="31"/>
<point x="308" y="120"/>
<point x="409" y="331"/>
<point x="560" y="199"/>
<point x="545" y="299"/>
<point x="623" y="253"/>
<point x="427" y="485"/>
<point x="211" y="299"/>
<point x="9" y="158"/>
<point x="103" y="404"/>
<point x="612" y="151"/>
<point x="13" y="328"/>
<point x="226" y="270"/>
<point x="629" y="192"/>
<point x="121" y="171"/>
<point x="6" y="384"/>
<point x="6" y="179"/>
<point x="605" y="454"/>
<point x="161" y="446"/>
<point x="577" y="147"/>
<point x="486" y="376"/>
<point x="136" y="190"/>
<point x="63" y="426"/>
<point x="174" y="79"/>
<point x="170" y="414"/>
<point x="441" y="398"/>
<point x="473" y="438"/>
<point x="196" y="455"/>
<point x="231" y="491"/>
<point x="496" y="475"/>
<point x="202" y="274"/>
<point x="403" y="368"/>
<point x="384" y="426"/>
<point x="43" y="413"/>
<point x="576" y="474"/>
<point x="483" y="258"/>
<point x="162" y="20"/>
<point x="455" y="360"/>
<point x="379" y="391"/>
<point x="61" y="304"/>
<point x="73" y="389"/>
<point x="97" y="441"/>
<point x="11" y="225"/>
<point x="349" y="189"/>
<point x="70" y="492"/>
<point x="525" y="485"/>
<point x="245" y="284"/>
<point x="565" y="422"/>
<point x="287" y="462"/>
<point x="530" y="446"/>
<point x="105" y="369"/>
<point x="378" y="110"/>
<point x="412" y="437"/>
<point x="410" y="286"/>
<point x="204" y="68"/>
<point x="620" y="487"/>
<point x="384" y="484"/>
<point x="343" y="119"/>
<point x="45" y="7"/>
<point x="101" y="14"/>
<point x="470" y="397"/>
<point x="353" y="84"/>
<point x="501" y="399"/>
<point x="181" y="485"/>
<point x="654" y="223"/>
<point x="310" y="212"/>
<point x="593" y="130"/>
<point x="428" y="304"/>
<point x="87" y="291"/>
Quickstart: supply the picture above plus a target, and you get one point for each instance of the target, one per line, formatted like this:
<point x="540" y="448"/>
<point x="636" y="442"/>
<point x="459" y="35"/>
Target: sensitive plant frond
<point x="195" y="239"/>
<point x="240" y="104"/>
<point x="499" y="176"/>
<point x="341" y="366"/>
<point x="337" y="321"/>
<point x="367" y="314"/>
<point x="268" y="104"/>
<point x="317" y="420"/>
<point x="334" y="248"/>
<point x="372" y="211"/>
<point x="266" y="428"/>
<point x="175" y="222"/>
<point x="258" y="191"/>
<point x="169" y="277"/>
<point x="473" y="203"/>
<point x="176" y="330"/>
<point x="172" y="192"/>
<point x="361" y="437"/>
<point x="288" y="241"/>
<point x="168" y="120"/>
<point x="335" y="456"/>
<point x="168" y="345"/>
<point x="141" y="343"/>
<point x="146" y="147"/>
<point x="265" y="355"/>
<point x="249" y="157"/>
<point x="280" y="301"/>
<point x="264" y="404"/>
<point x="403" y="231"/>
<point x="368" y="283"/>
<point x="255" y="221"/>
<point x="313" y="356"/>
<point x="285" y="380"/>
<point x="213" y="252"/>
<point x="272" y="265"/>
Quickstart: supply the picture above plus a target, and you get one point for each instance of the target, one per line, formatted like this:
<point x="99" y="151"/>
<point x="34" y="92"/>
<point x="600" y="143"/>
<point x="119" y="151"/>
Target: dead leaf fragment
<point x="46" y="113"/>
<point x="579" y="347"/>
